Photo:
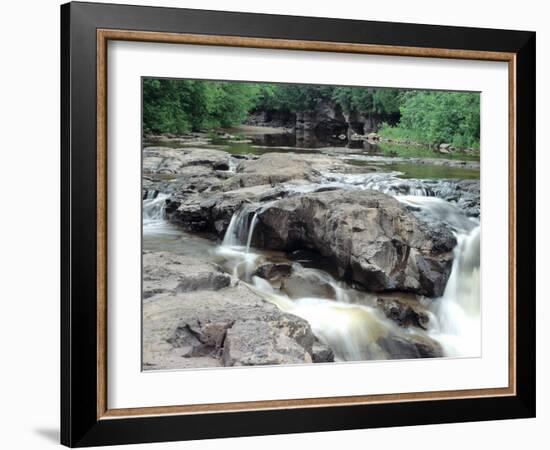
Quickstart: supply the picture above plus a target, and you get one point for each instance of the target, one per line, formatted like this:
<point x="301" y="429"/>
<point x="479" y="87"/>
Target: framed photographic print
<point x="276" y="224"/>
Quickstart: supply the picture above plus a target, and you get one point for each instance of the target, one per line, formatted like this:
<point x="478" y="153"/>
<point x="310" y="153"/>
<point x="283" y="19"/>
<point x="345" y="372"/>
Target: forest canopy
<point x="180" y="106"/>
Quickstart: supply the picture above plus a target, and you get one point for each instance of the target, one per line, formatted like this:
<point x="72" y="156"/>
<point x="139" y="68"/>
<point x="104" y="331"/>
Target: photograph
<point x="288" y="224"/>
<point x="279" y="223"/>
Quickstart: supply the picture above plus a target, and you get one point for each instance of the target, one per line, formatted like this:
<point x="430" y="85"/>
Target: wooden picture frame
<point x="85" y="417"/>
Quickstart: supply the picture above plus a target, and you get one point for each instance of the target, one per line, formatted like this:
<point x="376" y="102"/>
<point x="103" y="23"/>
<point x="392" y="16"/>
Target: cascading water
<point x="456" y="315"/>
<point x="153" y="206"/>
<point x="458" y="327"/>
<point x="237" y="240"/>
<point x="436" y="209"/>
<point x="351" y="331"/>
<point x="357" y="331"/>
<point x="385" y="182"/>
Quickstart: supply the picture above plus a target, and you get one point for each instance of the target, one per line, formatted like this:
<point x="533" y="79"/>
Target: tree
<point x="179" y="106"/>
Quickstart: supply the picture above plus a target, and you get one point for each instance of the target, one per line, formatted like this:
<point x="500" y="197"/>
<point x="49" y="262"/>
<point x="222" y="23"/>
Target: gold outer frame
<point x="104" y="35"/>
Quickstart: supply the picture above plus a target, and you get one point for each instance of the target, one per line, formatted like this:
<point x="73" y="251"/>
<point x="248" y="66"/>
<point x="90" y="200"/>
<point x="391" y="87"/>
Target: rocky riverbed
<point x="293" y="255"/>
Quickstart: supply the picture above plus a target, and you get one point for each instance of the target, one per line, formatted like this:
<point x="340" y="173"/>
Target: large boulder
<point x="230" y="326"/>
<point x="372" y="238"/>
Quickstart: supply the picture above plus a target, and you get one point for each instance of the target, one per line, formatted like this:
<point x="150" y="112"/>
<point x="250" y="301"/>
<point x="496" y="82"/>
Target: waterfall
<point x="347" y="320"/>
<point x="153" y="206"/>
<point x="240" y="231"/>
<point x="251" y="231"/>
<point x="238" y="227"/>
<point x="433" y="208"/>
<point x="457" y="326"/>
<point x="235" y="247"/>
<point x="351" y="331"/>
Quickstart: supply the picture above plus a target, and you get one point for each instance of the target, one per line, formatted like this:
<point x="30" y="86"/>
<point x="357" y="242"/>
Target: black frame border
<point x="79" y="424"/>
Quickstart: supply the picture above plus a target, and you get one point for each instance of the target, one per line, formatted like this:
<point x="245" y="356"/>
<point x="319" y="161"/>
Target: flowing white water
<point x="434" y="208"/>
<point x="458" y="325"/>
<point x="251" y="231"/>
<point x="351" y="331"/>
<point x="153" y="212"/>
<point x="237" y="240"/>
<point x="386" y="182"/>
<point x="354" y="331"/>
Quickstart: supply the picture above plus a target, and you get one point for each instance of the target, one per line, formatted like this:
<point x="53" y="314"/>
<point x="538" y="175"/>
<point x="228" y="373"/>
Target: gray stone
<point x="253" y="342"/>
<point x="404" y="312"/>
<point x="230" y="326"/>
<point x="410" y="347"/>
<point x="274" y="271"/>
<point x="170" y="273"/>
<point x="167" y="160"/>
<point x="299" y="285"/>
<point x="373" y="239"/>
<point x="321" y="353"/>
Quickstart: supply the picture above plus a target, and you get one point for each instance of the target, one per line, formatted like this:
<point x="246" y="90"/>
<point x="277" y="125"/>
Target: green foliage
<point x="179" y="106"/>
<point x="291" y="98"/>
<point x="436" y="117"/>
<point x="304" y="97"/>
<point x="368" y="101"/>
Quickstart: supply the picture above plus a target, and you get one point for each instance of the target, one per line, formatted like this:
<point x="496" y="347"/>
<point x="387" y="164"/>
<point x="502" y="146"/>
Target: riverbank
<point x="244" y="138"/>
<point x="306" y="231"/>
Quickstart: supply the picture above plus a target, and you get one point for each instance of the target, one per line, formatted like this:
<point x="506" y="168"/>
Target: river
<point x="348" y="320"/>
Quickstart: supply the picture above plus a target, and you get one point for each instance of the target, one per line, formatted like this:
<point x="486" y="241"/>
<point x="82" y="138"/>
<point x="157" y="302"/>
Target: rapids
<point x="350" y="324"/>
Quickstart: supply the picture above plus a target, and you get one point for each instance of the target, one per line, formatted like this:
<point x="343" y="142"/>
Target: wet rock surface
<point x="225" y="327"/>
<point x="312" y="207"/>
<point x="373" y="239"/>
<point x="404" y="312"/>
<point x="410" y="347"/>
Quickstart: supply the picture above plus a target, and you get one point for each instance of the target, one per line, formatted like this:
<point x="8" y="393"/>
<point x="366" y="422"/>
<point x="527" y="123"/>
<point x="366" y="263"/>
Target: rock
<point x="211" y="211"/>
<point x="165" y="272"/>
<point x="274" y="271"/>
<point x="221" y="165"/>
<point x="166" y="160"/>
<point x="321" y="353"/>
<point x="274" y="168"/>
<point x="444" y="148"/>
<point x="253" y="343"/>
<point x="405" y="312"/>
<point x="299" y="284"/>
<point x="410" y="347"/>
<point x="371" y="237"/>
<point x="230" y="326"/>
<point x="373" y="137"/>
<point x="240" y="141"/>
